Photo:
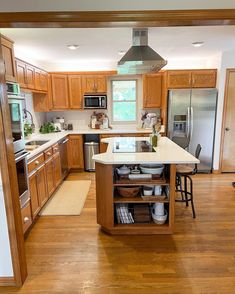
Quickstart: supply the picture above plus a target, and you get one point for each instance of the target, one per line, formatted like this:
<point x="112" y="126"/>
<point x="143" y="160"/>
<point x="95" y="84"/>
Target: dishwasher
<point x="64" y="157"/>
<point x="91" y="147"/>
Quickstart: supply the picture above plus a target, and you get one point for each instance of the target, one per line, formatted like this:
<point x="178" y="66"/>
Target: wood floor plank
<point x="70" y="254"/>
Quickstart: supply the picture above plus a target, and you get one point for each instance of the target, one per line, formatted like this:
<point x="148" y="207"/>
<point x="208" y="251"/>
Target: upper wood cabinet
<point x="94" y="84"/>
<point x="30" y="78"/>
<point x="59" y="91"/>
<point x="8" y="58"/>
<point x="179" y="79"/>
<point x="41" y="80"/>
<point x="75" y="151"/>
<point x="152" y="90"/>
<point x="21" y="73"/>
<point x="75" y="91"/>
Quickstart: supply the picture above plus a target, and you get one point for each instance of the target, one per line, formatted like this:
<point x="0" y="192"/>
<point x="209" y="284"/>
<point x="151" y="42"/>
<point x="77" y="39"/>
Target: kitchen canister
<point x="158" y="209"/>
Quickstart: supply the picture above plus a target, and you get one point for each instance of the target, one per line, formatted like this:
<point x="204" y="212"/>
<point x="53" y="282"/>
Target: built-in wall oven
<point x="22" y="177"/>
<point x="17" y="123"/>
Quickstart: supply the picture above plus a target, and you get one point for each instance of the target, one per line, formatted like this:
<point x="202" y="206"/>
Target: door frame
<point x="228" y="71"/>
<point x="84" y="19"/>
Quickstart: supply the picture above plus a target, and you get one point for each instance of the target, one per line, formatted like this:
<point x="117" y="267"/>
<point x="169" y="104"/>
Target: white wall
<point x="6" y="269"/>
<point x="38" y="117"/>
<point x="79" y="5"/>
<point x="227" y="61"/>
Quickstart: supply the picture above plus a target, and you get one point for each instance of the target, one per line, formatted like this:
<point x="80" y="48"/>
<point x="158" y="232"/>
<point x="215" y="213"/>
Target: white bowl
<point x="160" y="219"/>
<point x="152" y="170"/>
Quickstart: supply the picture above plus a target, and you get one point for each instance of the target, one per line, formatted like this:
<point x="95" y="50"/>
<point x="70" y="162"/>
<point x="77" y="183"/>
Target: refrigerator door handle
<point x="191" y="124"/>
<point x="188" y="122"/>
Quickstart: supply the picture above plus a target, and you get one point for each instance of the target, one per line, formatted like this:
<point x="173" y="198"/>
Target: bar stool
<point x="184" y="172"/>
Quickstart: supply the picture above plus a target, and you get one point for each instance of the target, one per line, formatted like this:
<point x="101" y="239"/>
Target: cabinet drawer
<point x="26" y="217"/>
<point x="35" y="162"/>
<point x="55" y="148"/>
<point x="48" y="153"/>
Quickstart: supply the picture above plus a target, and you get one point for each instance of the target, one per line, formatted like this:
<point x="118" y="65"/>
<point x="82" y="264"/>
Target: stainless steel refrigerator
<point x="191" y="121"/>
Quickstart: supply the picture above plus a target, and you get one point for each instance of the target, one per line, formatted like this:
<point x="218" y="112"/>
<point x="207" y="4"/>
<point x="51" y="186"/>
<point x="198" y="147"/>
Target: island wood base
<point x="106" y="199"/>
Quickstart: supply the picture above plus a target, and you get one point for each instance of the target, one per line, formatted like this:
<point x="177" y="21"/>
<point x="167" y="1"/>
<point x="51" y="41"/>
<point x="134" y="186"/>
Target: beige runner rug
<point x="69" y="199"/>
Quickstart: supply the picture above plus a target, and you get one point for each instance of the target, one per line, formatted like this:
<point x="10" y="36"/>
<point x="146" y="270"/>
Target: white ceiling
<point x="81" y="5"/>
<point x="99" y="47"/>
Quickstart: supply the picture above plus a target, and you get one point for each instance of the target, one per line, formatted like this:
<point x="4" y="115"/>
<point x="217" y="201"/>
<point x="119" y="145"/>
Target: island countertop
<point x="167" y="152"/>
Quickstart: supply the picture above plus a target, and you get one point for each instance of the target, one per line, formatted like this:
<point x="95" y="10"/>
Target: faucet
<point x="26" y="112"/>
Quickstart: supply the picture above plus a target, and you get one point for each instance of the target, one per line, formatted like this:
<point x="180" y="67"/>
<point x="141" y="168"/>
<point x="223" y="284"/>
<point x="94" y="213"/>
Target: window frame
<point x="136" y="101"/>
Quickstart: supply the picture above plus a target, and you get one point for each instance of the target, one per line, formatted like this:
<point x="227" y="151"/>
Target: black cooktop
<point x="132" y="147"/>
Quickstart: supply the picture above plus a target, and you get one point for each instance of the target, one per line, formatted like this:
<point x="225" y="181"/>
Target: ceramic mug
<point x="157" y="190"/>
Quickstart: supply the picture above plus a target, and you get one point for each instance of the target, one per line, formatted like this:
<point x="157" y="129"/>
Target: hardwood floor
<point x="71" y="255"/>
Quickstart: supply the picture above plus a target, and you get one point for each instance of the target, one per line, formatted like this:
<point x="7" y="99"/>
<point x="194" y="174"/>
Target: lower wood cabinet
<point x="49" y="166"/>
<point x="75" y="152"/>
<point x="26" y="217"/>
<point x="38" y="190"/>
<point x="57" y="169"/>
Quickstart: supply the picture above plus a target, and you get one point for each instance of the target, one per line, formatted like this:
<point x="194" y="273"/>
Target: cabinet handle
<point x="49" y="153"/>
<point x="26" y="219"/>
<point x="37" y="162"/>
<point x="55" y="148"/>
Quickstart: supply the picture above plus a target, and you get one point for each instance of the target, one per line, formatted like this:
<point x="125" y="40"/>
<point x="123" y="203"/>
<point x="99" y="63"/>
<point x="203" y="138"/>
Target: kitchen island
<point x="122" y="151"/>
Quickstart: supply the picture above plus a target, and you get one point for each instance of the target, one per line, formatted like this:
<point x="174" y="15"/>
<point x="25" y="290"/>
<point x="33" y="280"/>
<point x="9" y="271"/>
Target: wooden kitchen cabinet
<point x="59" y="91"/>
<point x="26" y="217"/>
<point x="180" y="79"/>
<point x="49" y="165"/>
<point x="30" y="77"/>
<point x="57" y="169"/>
<point x="92" y="84"/>
<point x="152" y="90"/>
<point x="8" y="58"/>
<point x="35" y="206"/>
<point x="21" y="73"/>
<point x="38" y="189"/>
<point x="75" y="91"/>
<point x="75" y="151"/>
<point x="41" y="80"/>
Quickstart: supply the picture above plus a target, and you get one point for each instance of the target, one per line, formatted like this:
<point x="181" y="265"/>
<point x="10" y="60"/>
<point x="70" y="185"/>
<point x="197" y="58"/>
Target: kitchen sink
<point x="31" y="145"/>
<point x="35" y="142"/>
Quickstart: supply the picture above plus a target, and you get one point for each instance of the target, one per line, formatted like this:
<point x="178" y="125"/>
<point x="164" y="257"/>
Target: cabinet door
<point x="204" y="78"/>
<point x="59" y="89"/>
<point x="9" y="59"/>
<point x="57" y="169"/>
<point x="75" y="91"/>
<point x="88" y="84"/>
<point x="103" y="147"/>
<point x="21" y="73"/>
<point x="75" y="151"/>
<point x="49" y="165"/>
<point x="178" y="79"/>
<point x="152" y="90"/>
<point x="41" y="186"/>
<point x="35" y="206"/>
<point x="101" y="84"/>
<point x="37" y="79"/>
<point x="44" y="80"/>
<point x="30" y="77"/>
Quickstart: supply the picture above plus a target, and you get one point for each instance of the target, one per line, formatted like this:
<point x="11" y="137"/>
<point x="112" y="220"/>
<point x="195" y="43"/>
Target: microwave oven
<point x="13" y="89"/>
<point x="95" y="101"/>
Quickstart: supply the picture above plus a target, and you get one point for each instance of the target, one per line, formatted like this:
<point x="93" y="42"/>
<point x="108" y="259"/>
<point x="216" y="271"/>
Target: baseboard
<point x="216" y="171"/>
<point x="7" y="281"/>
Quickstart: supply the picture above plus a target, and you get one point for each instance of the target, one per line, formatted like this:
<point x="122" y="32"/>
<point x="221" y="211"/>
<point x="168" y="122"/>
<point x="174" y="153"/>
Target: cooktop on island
<point x="132" y="146"/>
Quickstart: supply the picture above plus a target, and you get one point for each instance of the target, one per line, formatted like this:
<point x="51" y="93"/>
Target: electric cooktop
<point x="132" y="147"/>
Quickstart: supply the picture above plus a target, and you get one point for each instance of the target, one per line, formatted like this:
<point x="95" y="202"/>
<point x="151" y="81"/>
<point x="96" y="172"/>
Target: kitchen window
<point x="124" y="100"/>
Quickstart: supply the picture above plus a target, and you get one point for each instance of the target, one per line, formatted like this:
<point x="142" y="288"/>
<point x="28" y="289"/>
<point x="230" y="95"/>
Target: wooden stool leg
<point x="191" y="190"/>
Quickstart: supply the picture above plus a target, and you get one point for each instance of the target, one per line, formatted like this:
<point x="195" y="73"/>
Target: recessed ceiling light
<point x="121" y="52"/>
<point x="73" y="47"/>
<point x="198" y="44"/>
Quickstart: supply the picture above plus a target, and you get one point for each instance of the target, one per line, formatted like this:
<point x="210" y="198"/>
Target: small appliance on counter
<point x="59" y="123"/>
<point x="99" y="121"/>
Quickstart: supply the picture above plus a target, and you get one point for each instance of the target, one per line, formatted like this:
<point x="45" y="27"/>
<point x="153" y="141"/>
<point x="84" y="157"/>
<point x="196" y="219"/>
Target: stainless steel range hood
<point x="140" y="58"/>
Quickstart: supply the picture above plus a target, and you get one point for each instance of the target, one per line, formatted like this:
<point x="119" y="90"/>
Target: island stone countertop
<point x="167" y="152"/>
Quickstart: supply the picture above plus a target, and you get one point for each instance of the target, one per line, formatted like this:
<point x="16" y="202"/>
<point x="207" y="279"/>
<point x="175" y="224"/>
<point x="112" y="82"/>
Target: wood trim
<point x="224" y="116"/>
<point x="7" y="281"/>
<point x="109" y="72"/>
<point x="216" y="171"/>
<point x="10" y="189"/>
<point x="150" y="18"/>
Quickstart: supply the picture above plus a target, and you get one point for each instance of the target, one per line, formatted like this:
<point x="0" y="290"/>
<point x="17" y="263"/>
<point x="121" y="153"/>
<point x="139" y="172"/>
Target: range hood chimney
<point x="140" y="58"/>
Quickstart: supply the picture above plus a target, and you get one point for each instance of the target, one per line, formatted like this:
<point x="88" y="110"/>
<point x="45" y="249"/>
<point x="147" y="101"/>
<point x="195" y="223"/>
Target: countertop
<point x="167" y="152"/>
<point x="53" y="138"/>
